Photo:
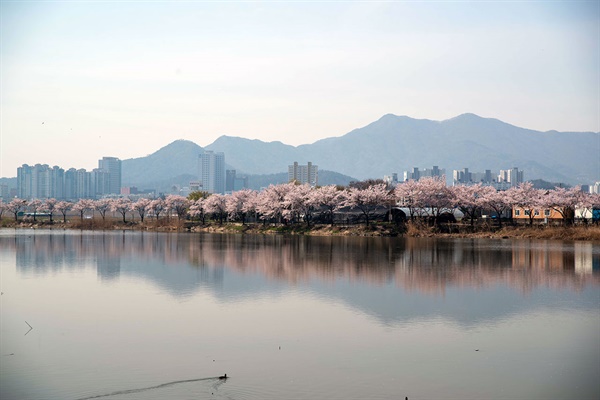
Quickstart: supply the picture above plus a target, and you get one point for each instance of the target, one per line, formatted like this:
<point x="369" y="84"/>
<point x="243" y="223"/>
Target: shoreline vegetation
<point x="423" y="208"/>
<point x="590" y="232"/>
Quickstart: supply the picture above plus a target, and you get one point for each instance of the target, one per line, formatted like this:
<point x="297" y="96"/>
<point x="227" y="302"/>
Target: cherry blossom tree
<point x="15" y="206"/>
<point x="122" y="205"/>
<point x="239" y="204"/>
<point x="368" y="200"/>
<point x="249" y="205"/>
<point x="564" y="201"/>
<point x="178" y="204"/>
<point x="103" y="206"/>
<point x="271" y="204"/>
<point x="35" y="205"/>
<point x="409" y="194"/>
<point x="63" y="207"/>
<point x="157" y="206"/>
<point x="299" y="203"/>
<point x="2" y="208"/>
<point x="82" y="206"/>
<point x="141" y="206"/>
<point x="50" y="206"/>
<point x="216" y="204"/>
<point x="197" y="209"/>
<point x="436" y="196"/>
<point x="496" y="201"/>
<point x="469" y="199"/>
<point x="366" y="183"/>
<point x="330" y="199"/>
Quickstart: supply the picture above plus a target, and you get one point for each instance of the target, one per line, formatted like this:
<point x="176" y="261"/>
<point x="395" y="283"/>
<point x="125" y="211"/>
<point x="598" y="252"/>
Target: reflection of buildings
<point x="393" y="279"/>
<point x="585" y="262"/>
<point x="424" y="265"/>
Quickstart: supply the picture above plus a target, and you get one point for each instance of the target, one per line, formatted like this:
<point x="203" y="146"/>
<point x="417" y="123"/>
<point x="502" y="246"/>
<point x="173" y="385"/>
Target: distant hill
<point x="255" y="156"/>
<point x="393" y="144"/>
<point x="390" y="144"/>
<point x="398" y="143"/>
<point x="175" y="159"/>
<point x="177" y="164"/>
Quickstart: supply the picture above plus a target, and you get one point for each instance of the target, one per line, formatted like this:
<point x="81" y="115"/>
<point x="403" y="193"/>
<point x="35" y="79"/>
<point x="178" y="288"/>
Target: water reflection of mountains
<point x="391" y="278"/>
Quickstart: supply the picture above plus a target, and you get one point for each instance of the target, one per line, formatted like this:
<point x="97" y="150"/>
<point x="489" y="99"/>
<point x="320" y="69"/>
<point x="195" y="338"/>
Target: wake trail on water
<point x="162" y="385"/>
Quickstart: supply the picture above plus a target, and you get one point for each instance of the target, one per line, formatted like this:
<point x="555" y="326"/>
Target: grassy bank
<point x="588" y="233"/>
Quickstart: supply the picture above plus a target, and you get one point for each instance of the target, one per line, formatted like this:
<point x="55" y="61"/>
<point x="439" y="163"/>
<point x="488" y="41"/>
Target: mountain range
<point x="394" y="144"/>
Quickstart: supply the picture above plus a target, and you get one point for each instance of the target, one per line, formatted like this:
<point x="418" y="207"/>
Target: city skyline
<point x="41" y="181"/>
<point x="87" y="79"/>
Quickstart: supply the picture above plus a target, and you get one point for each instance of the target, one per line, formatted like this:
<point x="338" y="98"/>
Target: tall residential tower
<point x="211" y="171"/>
<point x="112" y="166"/>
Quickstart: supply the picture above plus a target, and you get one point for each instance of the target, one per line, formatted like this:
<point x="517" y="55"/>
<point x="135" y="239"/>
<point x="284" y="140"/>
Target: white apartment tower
<point x="512" y="176"/>
<point x="303" y="173"/>
<point x="211" y="172"/>
<point x="111" y="165"/>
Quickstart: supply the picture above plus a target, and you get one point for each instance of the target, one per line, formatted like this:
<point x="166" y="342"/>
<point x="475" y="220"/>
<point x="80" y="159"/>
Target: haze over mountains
<point x="395" y="144"/>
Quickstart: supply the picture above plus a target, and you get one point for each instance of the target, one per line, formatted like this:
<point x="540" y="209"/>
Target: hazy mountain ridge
<point x="398" y="143"/>
<point x="390" y="144"/>
<point x="177" y="158"/>
<point x="255" y="156"/>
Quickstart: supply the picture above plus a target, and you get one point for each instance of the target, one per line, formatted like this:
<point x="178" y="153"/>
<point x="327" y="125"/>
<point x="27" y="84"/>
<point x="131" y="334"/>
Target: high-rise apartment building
<point x="416" y="174"/>
<point x="391" y="180"/>
<point x="512" y="176"/>
<point x="233" y="182"/>
<point x="465" y="177"/>
<point x="102" y="182"/>
<point x="83" y="184"/>
<point x="112" y="166"/>
<point x="40" y="182"/>
<point x="43" y="182"/>
<point x="4" y="192"/>
<point x="24" y="181"/>
<point x="211" y="171"/>
<point x="303" y="173"/>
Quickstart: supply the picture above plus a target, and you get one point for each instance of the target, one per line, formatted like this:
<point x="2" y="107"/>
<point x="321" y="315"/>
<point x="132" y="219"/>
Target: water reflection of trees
<point x="415" y="264"/>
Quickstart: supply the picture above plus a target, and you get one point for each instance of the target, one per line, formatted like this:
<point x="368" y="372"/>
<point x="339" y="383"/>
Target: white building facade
<point x="211" y="172"/>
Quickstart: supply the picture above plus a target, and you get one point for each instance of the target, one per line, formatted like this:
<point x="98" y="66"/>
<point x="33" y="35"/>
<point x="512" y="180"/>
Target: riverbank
<point x="580" y="232"/>
<point x="588" y="233"/>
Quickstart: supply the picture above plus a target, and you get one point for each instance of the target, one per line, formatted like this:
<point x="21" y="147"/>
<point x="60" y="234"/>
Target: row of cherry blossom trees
<point x="431" y="197"/>
<point x="293" y="203"/>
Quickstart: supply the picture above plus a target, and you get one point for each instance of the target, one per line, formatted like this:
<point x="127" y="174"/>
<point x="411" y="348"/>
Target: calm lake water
<point x="130" y="315"/>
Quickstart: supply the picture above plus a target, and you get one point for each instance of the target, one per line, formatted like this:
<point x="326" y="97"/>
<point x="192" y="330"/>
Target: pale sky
<point x="82" y="80"/>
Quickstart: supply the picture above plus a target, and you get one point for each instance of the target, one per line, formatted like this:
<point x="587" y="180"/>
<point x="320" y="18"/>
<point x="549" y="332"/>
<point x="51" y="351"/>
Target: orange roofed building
<point x="523" y="214"/>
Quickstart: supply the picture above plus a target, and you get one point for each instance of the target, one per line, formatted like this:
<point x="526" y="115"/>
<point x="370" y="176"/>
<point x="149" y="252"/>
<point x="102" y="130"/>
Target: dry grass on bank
<point x="300" y="229"/>
<point x="552" y="232"/>
<point x="410" y="229"/>
<point x="588" y="233"/>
